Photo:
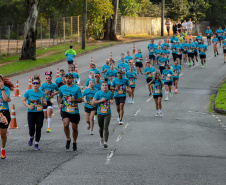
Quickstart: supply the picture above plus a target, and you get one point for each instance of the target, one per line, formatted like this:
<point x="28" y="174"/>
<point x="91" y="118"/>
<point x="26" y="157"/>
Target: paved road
<point x="186" y="146"/>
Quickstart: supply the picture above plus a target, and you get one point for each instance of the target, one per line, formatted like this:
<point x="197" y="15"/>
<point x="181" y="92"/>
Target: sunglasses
<point x="36" y="83"/>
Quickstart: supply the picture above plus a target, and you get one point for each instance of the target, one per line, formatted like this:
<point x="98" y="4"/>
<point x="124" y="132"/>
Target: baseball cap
<point x="120" y="71"/>
<point x="97" y="75"/>
<point x="69" y="75"/>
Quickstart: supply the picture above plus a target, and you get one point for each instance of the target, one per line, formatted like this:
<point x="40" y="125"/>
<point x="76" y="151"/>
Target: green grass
<point x="221" y="98"/>
<point x="211" y="103"/>
<point x="17" y="65"/>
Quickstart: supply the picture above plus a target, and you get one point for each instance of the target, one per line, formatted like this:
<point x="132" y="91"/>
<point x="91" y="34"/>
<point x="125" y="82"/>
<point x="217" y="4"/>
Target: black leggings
<point x="35" y="123"/>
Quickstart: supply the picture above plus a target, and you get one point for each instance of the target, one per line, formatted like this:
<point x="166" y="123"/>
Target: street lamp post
<point x="84" y="24"/>
<point x="162" y="18"/>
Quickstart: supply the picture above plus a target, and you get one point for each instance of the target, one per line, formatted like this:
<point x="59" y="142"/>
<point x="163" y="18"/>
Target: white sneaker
<point x="160" y="114"/>
<point x="157" y="114"/>
<point x="118" y="119"/>
<point x="105" y="145"/>
<point x="166" y="99"/>
<point x="91" y="132"/>
<point x="102" y="142"/>
<point x="171" y="94"/>
<point x="132" y="101"/>
<point x="120" y="123"/>
<point x="88" y="126"/>
<point x="129" y="101"/>
<point x="95" y="117"/>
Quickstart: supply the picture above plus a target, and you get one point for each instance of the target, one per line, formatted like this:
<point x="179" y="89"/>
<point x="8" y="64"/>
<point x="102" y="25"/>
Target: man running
<point x="111" y="74"/>
<point x="105" y="68"/>
<point x="220" y="32"/>
<point x="174" y="51"/>
<point x="70" y="54"/>
<point x="92" y="77"/>
<point x="132" y="76"/>
<point x="202" y="52"/>
<point x="189" y="25"/>
<point x="149" y="72"/>
<point x="151" y="48"/>
<point x="209" y="34"/>
<point x="120" y="85"/>
<point x="76" y="78"/>
<point x="71" y="95"/>
<point x="165" y="44"/>
<point x="139" y="59"/>
<point x="191" y="47"/>
<point x="162" y="62"/>
<point x="174" y="38"/>
<point x="128" y="57"/>
<point x="177" y="70"/>
<point x="215" y="42"/>
<point x="94" y="68"/>
<point x="179" y="49"/>
<point x="60" y="78"/>
<point x="185" y="51"/>
<point x="196" y="43"/>
<point x="184" y="26"/>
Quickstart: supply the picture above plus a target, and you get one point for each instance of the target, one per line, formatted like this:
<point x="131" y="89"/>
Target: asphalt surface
<point x="185" y="146"/>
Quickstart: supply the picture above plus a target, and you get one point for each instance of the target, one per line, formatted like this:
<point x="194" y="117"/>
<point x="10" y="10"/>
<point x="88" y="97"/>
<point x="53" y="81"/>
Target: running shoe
<point x="74" y="146"/>
<point x="30" y="142"/>
<point x="171" y="94"/>
<point x="91" y="132"/>
<point x="160" y="114"/>
<point x="129" y="101"/>
<point x="37" y="147"/>
<point x="120" y="122"/>
<point x="132" y="101"/>
<point x="3" y="154"/>
<point x="189" y="64"/>
<point x="217" y="53"/>
<point x="118" y="119"/>
<point x="203" y="66"/>
<point x="48" y="130"/>
<point x="88" y="127"/>
<point x="166" y="99"/>
<point x="193" y="63"/>
<point x="157" y="114"/>
<point x="95" y="117"/>
<point x="197" y="61"/>
<point x="141" y="72"/>
<point x="214" y="55"/>
<point x="224" y="61"/>
<point x="150" y="94"/>
<point x="68" y="144"/>
<point x="101" y="141"/>
<point x="105" y="145"/>
<point x="175" y="91"/>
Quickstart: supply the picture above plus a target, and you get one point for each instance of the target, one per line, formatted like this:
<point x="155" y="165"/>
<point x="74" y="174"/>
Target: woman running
<point x="177" y="70"/>
<point x="185" y="51"/>
<point x="139" y="59"/>
<point x="149" y="72"/>
<point x="132" y="76"/>
<point x="220" y="32"/>
<point x="215" y="42"/>
<point x="162" y="62"/>
<point x="104" y="98"/>
<point x="168" y="81"/>
<point x="5" y="87"/>
<point x="209" y="34"/>
<point x="92" y="77"/>
<point x="90" y="108"/>
<point x="50" y="89"/>
<point x="157" y="93"/>
<point x="35" y="99"/>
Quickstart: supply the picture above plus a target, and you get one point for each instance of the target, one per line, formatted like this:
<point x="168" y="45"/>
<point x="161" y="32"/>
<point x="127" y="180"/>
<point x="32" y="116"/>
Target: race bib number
<point x="185" y="49"/>
<point x="152" y="50"/>
<point x="138" y="60"/>
<point x="150" y="75"/>
<point x="104" y="107"/>
<point x="162" y="64"/>
<point x="52" y="100"/>
<point x="103" y="110"/>
<point x="202" y="50"/>
<point x="168" y="78"/>
<point x="219" y="34"/>
<point x="157" y="91"/>
<point x="215" y="43"/>
<point x="131" y="81"/>
<point x="174" y="50"/>
<point x="39" y="107"/>
<point x="111" y="78"/>
<point x="208" y="34"/>
<point x="190" y="50"/>
<point x="70" y="109"/>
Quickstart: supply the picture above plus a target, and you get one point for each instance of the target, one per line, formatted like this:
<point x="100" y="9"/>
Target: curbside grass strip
<point x="217" y="98"/>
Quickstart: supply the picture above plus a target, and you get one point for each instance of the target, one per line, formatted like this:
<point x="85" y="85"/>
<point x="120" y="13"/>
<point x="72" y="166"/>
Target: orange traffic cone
<point x="58" y="73"/>
<point x="134" y="49"/>
<point x="146" y="64"/>
<point x="17" y="89"/>
<point x="91" y="62"/>
<point x="110" y="56"/>
<point x="13" y="123"/>
<point x="168" y="40"/>
<point x="82" y="89"/>
<point x="76" y="67"/>
<point x="29" y="84"/>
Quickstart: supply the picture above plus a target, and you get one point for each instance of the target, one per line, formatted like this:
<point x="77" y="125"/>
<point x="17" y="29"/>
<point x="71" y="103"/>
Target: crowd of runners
<point x="107" y="86"/>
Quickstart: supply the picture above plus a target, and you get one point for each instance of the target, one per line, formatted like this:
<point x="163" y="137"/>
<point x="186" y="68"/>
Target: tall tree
<point x="29" y="45"/>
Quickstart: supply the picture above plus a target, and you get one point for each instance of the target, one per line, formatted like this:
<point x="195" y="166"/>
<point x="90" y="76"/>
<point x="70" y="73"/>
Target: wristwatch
<point x="3" y="89"/>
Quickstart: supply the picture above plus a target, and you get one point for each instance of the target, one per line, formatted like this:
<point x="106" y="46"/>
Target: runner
<point x="119" y="84"/>
<point x="179" y="49"/>
<point x="202" y="52"/>
<point x="166" y="52"/>
<point x="139" y="59"/>
<point x="177" y="70"/>
<point x="71" y="95"/>
<point x="96" y="71"/>
<point x="168" y="81"/>
<point x="157" y="93"/>
<point x="34" y="99"/>
<point x="90" y="108"/>
<point x="50" y="89"/>
<point x="220" y="34"/>
<point x="179" y="26"/>
<point x="104" y="98"/>
<point x="158" y="53"/>
<point x="105" y="68"/>
<point x="189" y="36"/>
<point x="111" y="74"/>
<point x="76" y="78"/>
<point x="151" y="48"/>
<point x="181" y="38"/>
<point x="5" y="87"/>
<point x="174" y="28"/>
<point x="168" y="25"/>
<point x="128" y="57"/>
<point x="132" y="76"/>
<point x="174" y="38"/>
<point x="174" y="51"/>
<point x="224" y="50"/>
<point x="123" y="58"/>
<point x="215" y="42"/>
<point x="149" y="71"/>
<point x="92" y="77"/>
<point x="162" y="62"/>
<point x="185" y="51"/>
<point x="60" y="78"/>
<point x="165" y="44"/>
<point x="209" y="34"/>
<point x="70" y="54"/>
<point x="124" y="67"/>
<point x="191" y="46"/>
<point x="97" y="82"/>
<point x="196" y="43"/>
<point x="189" y="25"/>
<point x="132" y="64"/>
<point x="185" y="34"/>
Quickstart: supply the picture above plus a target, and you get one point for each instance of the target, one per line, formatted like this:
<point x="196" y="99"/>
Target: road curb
<point x="78" y="55"/>
<point x="220" y="111"/>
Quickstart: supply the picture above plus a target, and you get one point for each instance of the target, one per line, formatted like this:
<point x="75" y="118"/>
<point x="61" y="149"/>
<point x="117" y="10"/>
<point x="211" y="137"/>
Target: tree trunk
<point x="29" y="45"/>
<point x="110" y="25"/>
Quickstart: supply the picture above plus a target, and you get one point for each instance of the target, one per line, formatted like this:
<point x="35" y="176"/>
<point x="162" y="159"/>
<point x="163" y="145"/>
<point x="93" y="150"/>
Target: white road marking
<point x="189" y="111"/>
<point x="180" y="74"/>
<point x="194" y="66"/>
<point x="149" y="99"/>
<point x="213" y="115"/>
<point x="216" y="117"/>
<point x="119" y="137"/>
<point x="25" y="125"/>
<point x="109" y="156"/>
<point x="219" y="120"/>
<point x="126" y="125"/>
<point x="209" y="58"/>
<point x="137" y="112"/>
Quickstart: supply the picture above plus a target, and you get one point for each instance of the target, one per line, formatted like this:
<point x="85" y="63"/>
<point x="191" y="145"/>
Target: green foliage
<point x="128" y="8"/>
<point x="221" y="98"/>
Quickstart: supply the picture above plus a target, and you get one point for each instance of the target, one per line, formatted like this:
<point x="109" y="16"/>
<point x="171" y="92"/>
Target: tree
<point x="128" y="8"/>
<point x="29" y="44"/>
<point x="110" y="25"/>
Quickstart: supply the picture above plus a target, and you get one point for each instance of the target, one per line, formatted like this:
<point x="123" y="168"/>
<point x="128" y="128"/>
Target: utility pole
<point x="84" y="24"/>
<point x="162" y="18"/>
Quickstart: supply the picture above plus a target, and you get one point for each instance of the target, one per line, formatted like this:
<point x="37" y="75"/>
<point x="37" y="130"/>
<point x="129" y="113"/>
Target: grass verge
<point x="211" y="103"/>
<point x="221" y="98"/>
<point x="11" y="64"/>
